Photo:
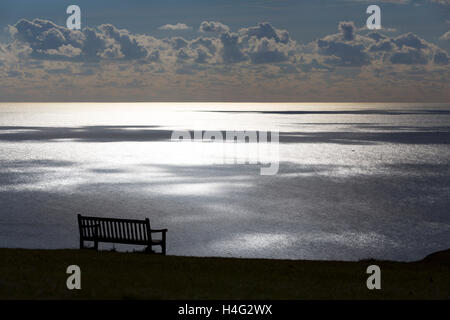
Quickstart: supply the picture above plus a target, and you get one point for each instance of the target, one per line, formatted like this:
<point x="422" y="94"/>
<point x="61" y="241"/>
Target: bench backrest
<point x="114" y="230"/>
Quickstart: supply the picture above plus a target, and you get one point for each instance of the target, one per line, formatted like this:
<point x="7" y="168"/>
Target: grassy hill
<point x="41" y="274"/>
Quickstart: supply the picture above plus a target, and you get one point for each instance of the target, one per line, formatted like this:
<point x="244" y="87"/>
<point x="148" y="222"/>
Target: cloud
<point x="178" y="43"/>
<point x="347" y="29"/>
<point x="348" y="48"/>
<point x="173" y="27"/>
<point x="343" y="54"/>
<point x="266" y="51"/>
<point x="259" y="60"/>
<point x="409" y="56"/>
<point x="345" y="48"/>
<point x="376" y="36"/>
<point x="213" y="26"/>
<point x="231" y="53"/>
<point x="127" y="43"/>
<point x="210" y="44"/>
<point x="48" y="40"/>
<point x="260" y="44"/>
<point x="443" y="2"/>
<point x="382" y="45"/>
<point x="202" y="56"/>
<point x="446" y="36"/>
<point x="64" y="51"/>
<point x="441" y="57"/>
<point x="410" y="40"/>
<point x="265" y="30"/>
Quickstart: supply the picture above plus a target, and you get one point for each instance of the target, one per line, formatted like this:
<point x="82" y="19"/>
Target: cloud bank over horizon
<point x="43" y="61"/>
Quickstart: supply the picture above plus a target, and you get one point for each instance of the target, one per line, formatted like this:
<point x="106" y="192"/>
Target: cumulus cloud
<point x="213" y="26"/>
<point x="344" y="48"/>
<point x="48" y="40"/>
<point x="126" y="43"/>
<point x="348" y="48"/>
<point x="40" y="49"/>
<point x="260" y="44"/>
<point x="178" y="26"/>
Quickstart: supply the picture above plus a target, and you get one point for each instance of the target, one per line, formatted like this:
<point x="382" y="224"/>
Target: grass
<point x="41" y="274"/>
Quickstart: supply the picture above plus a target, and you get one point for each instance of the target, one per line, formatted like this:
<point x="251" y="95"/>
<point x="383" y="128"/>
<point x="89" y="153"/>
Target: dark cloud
<point x="128" y="44"/>
<point x="231" y="53"/>
<point x="48" y="40"/>
<point x="95" y="44"/>
<point x="376" y="36"/>
<point x="409" y="56"/>
<point x="182" y="55"/>
<point x="265" y="30"/>
<point x="202" y="56"/>
<point x="266" y="51"/>
<point x="441" y="57"/>
<point x="178" y="43"/>
<point x="213" y="26"/>
<point x="410" y="40"/>
<point x="347" y="29"/>
<point x="154" y="56"/>
<point x="344" y="54"/>
<point x="384" y="45"/>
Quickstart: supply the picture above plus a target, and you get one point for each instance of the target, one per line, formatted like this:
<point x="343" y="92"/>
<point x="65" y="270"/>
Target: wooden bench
<point x="126" y="231"/>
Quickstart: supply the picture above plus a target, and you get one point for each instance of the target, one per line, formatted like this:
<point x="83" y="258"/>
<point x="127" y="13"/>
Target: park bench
<point x="125" y="231"/>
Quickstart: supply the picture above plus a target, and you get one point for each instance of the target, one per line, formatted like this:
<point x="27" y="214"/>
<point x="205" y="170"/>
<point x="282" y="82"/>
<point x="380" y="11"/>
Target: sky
<point x="226" y="50"/>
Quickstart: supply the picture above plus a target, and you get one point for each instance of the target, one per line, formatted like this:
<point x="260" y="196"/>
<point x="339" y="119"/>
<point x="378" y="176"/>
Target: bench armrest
<point x="158" y="230"/>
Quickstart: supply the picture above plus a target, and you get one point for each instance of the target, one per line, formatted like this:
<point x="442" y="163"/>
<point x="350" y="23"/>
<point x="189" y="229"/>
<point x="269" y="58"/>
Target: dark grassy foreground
<point x="41" y="274"/>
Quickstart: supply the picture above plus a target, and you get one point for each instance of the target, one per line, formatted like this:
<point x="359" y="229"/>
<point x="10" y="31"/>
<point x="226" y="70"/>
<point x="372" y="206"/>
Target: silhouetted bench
<point x="126" y="231"/>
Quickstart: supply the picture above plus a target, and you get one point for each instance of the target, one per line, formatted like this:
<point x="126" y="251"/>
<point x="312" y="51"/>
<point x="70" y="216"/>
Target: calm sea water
<point x="355" y="180"/>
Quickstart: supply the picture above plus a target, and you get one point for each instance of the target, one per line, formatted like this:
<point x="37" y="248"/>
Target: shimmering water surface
<point x="355" y="180"/>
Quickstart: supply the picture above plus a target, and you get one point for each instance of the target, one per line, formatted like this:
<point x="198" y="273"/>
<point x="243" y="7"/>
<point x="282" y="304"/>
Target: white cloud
<point x="178" y="26"/>
<point x="446" y="36"/>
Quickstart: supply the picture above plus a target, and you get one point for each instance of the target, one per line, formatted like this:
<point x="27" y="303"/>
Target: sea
<point x="352" y="181"/>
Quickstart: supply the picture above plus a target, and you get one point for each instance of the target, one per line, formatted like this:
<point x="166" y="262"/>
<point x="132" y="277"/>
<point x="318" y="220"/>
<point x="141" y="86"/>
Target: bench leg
<point x="95" y="245"/>
<point x="81" y="244"/>
<point x="163" y="244"/>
